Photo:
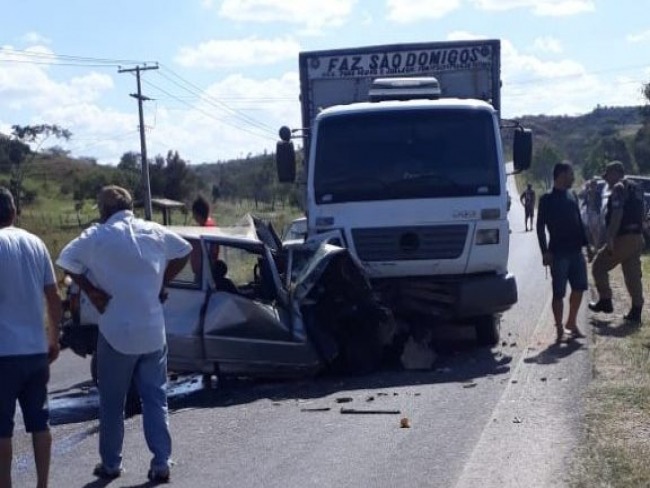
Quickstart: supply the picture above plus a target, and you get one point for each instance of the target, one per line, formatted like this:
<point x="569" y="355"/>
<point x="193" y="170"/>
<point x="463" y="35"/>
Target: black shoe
<point x="634" y="315"/>
<point x="602" y="305"/>
<point x="159" y="477"/>
<point x="102" y="472"/>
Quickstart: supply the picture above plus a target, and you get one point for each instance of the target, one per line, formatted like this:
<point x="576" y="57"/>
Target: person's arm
<point x="541" y="231"/>
<point x="54" y="314"/>
<point x="521" y="197"/>
<point x="616" y="216"/>
<point x="98" y="297"/>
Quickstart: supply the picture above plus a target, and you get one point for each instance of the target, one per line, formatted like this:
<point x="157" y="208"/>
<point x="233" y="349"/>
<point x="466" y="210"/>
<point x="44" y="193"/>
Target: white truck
<point x="404" y="166"/>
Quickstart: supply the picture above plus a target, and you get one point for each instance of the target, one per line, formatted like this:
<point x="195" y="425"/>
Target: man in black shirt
<point x="559" y="213"/>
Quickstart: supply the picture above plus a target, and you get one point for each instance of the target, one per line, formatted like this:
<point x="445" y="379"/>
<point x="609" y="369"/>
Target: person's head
<point x="220" y="269"/>
<point x="113" y="199"/>
<point x="529" y="186"/>
<point x="614" y="172"/>
<point x="563" y="176"/>
<point x="7" y="208"/>
<point x="200" y="210"/>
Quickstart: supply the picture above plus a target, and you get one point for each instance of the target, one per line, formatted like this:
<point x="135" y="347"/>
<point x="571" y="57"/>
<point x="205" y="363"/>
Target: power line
<point x="196" y="90"/>
<point x="209" y="115"/>
<point x="72" y="57"/>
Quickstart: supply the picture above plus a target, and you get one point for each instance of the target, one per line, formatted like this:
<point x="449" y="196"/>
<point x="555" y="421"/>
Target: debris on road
<point x="316" y="409"/>
<point x="469" y="385"/>
<point x="369" y="412"/>
<point x="517" y="420"/>
<point x="344" y="400"/>
<point x="370" y="399"/>
<point x="405" y="423"/>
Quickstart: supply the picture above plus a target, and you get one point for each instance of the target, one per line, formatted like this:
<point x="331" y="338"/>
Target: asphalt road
<point x="506" y="417"/>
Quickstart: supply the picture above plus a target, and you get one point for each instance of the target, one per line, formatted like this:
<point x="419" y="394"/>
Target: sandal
<point x="107" y="474"/>
<point x="574" y="332"/>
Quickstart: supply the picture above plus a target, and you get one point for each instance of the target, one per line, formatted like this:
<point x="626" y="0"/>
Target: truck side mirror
<point x="522" y="151"/>
<point x="285" y="157"/>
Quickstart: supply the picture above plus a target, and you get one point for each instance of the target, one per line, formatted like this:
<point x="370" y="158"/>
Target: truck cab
<point x="413" y="182"/>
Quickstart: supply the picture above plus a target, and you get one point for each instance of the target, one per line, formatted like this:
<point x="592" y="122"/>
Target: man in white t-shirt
<point x="130" y="260"/>
<point x="26" y="346"/>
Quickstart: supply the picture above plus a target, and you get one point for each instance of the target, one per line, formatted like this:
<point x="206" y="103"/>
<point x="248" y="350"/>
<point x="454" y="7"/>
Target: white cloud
<point x="239" y="52"/>
<point x="639" y="37"/>
<point x="548" y="44"/>
<point x="32" y="38"/>
<point x="407" y="11"/>
<point x="552" y="8"/>
<point x="313" y="16"/>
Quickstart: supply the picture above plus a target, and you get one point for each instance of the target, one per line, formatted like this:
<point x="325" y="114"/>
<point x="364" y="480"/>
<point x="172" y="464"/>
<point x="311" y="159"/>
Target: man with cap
<point x="123" y="264"/>
<point x="624" y="242"/>
<point x="26" y="346"/>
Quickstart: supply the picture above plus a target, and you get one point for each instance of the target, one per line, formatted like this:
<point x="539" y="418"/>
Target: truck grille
<point x="410" y="243"/>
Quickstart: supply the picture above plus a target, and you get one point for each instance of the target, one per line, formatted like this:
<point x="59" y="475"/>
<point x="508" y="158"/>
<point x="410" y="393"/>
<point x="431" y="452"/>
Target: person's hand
<point x="590" y="254"/>
<point x="547" y="259"/>
<point x="99" y="298"/>
<point x="53" y="350"/>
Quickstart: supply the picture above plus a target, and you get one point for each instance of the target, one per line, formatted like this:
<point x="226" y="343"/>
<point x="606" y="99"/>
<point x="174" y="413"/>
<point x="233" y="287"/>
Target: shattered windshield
<point x="406" y="154"/>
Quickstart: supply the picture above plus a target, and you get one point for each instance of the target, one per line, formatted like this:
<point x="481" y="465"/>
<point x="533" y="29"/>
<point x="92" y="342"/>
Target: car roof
<point x="234" y="233"/>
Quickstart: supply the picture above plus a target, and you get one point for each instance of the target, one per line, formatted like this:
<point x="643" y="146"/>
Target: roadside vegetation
<point x="616" y="445"/>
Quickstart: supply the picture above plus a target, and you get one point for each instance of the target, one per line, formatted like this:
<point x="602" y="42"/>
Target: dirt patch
<point x="616" y="445"/>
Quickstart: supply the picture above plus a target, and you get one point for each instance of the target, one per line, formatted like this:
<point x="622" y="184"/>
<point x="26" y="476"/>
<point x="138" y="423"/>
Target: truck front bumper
<point x="485" y="295"/>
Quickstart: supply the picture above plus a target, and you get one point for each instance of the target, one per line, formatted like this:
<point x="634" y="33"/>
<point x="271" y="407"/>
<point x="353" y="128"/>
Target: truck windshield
<point x="406" y="154"/>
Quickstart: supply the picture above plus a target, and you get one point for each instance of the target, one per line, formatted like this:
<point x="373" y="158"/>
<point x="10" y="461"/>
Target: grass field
<point x="616" y="445"/>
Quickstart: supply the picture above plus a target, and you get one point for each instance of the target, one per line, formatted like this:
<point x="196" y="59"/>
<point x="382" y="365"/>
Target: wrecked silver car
<point x="245" y="305"/>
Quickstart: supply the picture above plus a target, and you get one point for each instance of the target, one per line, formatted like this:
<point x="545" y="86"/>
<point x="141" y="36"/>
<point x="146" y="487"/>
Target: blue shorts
<point x="24" y="379"/>
<point x="570" y="268"/>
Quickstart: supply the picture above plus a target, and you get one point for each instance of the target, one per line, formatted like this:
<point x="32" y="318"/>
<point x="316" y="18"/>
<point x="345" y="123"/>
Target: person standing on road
<point x="130" y="261"/>
<point x="26" y="347"/>
<point x="528" y="199"/>
<point x="559" y="213"/>
<point x="624" y="242"/>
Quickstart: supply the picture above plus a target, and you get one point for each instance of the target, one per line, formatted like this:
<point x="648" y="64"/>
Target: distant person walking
<point x="624" y="242"/>
<point x="528" y="200"/>
<point x="130" y="261"/>
<point x="559" y="214"/>
<point x="26" y="346"/>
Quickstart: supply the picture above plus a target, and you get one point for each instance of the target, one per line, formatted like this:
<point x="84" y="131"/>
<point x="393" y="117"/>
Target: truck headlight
<point x="487" y="236"/>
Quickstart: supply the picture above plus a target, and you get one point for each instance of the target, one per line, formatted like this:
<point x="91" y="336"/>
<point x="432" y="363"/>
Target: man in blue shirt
<point x="559" y="213"/>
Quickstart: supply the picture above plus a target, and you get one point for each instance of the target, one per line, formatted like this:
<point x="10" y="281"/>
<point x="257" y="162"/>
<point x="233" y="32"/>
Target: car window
<point x="240" y="263"/>
<point x="190" y="275"/>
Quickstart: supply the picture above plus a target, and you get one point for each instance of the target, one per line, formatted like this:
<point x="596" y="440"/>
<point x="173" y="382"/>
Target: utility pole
<point x="146" y="185"/>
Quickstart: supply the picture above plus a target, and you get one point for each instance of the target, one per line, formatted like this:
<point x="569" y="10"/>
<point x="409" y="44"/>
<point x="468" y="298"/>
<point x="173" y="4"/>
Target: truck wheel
<point x="487" y="330"/>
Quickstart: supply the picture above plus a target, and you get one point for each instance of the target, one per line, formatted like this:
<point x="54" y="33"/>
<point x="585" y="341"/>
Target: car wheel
<point x="360" y="349"/>
<point x="487" y="330"/>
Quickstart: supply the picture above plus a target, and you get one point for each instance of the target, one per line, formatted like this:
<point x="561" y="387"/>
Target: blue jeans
<point x="114" y="373"/>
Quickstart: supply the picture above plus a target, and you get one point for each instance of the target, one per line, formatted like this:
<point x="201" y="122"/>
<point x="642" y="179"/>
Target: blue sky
<point x="228" y="68"/>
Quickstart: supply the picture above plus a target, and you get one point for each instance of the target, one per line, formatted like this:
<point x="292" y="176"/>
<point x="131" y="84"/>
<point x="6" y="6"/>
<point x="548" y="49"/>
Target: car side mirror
<point x="522" y="151"/>
<point x="285" y="157"/>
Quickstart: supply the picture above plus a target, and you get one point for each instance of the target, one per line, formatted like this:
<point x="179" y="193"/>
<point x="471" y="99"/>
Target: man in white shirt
<point x="26" y="275"/>
<point x="130" y="260"/>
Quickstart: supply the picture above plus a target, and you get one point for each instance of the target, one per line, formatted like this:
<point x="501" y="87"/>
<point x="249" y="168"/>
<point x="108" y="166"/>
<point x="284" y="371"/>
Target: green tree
<point x="21" y="155"/>
<point x="544" y="159"/>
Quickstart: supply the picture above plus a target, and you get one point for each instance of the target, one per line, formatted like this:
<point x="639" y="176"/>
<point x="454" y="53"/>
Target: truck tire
<point x="132" y="406"/>
<point x="487" y="330"/>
